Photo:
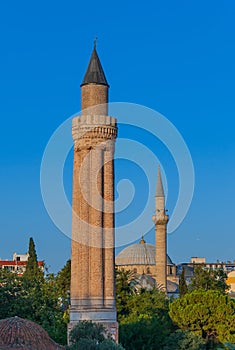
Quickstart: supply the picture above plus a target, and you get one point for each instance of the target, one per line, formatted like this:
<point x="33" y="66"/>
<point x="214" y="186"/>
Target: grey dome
<point x="138" y="254"/>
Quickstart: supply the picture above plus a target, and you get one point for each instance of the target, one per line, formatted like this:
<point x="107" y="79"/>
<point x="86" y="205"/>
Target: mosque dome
<point x="141" y="253"/>
<point x="18" y="333"/>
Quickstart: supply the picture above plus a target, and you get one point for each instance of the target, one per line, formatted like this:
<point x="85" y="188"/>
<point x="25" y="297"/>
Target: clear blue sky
<point x="176" y="57"/>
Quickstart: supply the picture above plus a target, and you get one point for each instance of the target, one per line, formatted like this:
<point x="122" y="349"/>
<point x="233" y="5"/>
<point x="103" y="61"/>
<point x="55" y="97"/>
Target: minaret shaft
<point x="160" y="221"/>
<point x="92" y="261"/>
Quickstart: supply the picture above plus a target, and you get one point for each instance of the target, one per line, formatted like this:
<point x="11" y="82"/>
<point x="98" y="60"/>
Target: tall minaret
<point x="160" y="220"/>
<point x="92" y="260"/>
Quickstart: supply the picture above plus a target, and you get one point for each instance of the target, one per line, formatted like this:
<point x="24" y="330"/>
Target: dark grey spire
<point x="94" y="73"/>
<point x="160" y="190"/>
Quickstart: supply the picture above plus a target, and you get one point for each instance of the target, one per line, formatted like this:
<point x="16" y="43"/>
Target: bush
<point x="90" y="336"/>
<point x="184" y="340"/>
<point x="109" y="345"/>
<point x="87" y="330"/>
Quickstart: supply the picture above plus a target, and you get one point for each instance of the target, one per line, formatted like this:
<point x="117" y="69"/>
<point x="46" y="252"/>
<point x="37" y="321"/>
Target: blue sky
<point x="176" y="57"/>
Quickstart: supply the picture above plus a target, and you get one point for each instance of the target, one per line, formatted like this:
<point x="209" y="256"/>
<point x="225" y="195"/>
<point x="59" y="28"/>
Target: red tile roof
<point x="18" y="333"/>
<point x="17" y="263"/>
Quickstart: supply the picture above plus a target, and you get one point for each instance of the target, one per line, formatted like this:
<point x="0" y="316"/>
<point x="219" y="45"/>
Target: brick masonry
<point x="92" y="259"/>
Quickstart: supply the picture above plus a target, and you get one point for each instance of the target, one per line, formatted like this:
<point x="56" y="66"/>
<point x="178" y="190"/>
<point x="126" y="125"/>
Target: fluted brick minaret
<point x="92" y="261"/>
<point x="160" y="220"/>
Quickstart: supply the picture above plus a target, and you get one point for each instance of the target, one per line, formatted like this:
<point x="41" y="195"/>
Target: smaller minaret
<point x="160" y="220"/>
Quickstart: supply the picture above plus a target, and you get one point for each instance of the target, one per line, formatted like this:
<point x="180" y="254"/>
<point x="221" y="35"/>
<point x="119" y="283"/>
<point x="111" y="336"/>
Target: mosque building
<point x="151" y="264"/>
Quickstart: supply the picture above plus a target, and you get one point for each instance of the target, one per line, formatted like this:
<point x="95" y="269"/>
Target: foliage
<point x="63" y="279"/>
<point x="10" y="293"/>
<point x="84" y="344"/>
<point x="210" y="314"/>
<point x="146" y="334"/>
<point x="125" y="287"/>
<point x="145" y="305"/>
<point x="209" y="279"/>
<point x="32" y="269"/>
<point x="34" y="297"/>
<point x="183" y="288"/>
<point x="88" y="330"/>
<point x="109" y="344"/>
<point x="90" y="336"/>
<point x="228" y="346"/>
<point x="184" y="340"/>
<point x="147" y="323"/>
<point x="91" y="344"/>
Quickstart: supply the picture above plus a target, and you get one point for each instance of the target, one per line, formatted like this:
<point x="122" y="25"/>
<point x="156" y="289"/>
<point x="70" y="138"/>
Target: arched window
<point x="148" y="270"/>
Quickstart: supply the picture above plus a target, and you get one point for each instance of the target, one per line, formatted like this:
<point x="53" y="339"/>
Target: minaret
<point x="92" y="260"/>
<point x="160" y="220"/>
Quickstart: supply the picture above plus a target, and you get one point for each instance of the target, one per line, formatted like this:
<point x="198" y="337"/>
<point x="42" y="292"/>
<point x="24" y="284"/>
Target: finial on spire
<point x="142" y="241"/>
<point x="160" y="190"/>
<point x="94" y="73"/>
<point x="95" y="42"/>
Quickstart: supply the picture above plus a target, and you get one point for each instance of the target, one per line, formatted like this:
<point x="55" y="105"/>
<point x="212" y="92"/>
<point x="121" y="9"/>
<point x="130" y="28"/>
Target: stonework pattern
<point x="92" y="261"/>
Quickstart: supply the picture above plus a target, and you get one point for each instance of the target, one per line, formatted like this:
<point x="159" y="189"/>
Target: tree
<point x="184" y="340"/>
<point x="209" y="279"/>
<point x="63" y="279"/>
<point x="36" y="297"/>
<point x="183" y="288"/>
<point x="32" y="269"/>
<point x="210" y="314"/>
<point x="125" y="287"/>
<point x="108" y="344"/>
<point x="147" y="323"/>
<point x="10" y="293"/>
<point x="87" y="335"/>
<point x="88" y="330"/>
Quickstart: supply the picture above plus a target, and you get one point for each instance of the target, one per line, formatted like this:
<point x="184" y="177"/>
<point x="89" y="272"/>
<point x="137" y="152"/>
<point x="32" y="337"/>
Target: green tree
<point x="87" y="335"/>
<point x="184" y="340"/>
<point x="183" y="288"/>
<point x="10" y="294"/>
<point x="147" y="323"/>
<point x="36" y="298"/>
<point x="125" y="287"/>
<point x="209" y="279"/>
<point x="63" y="279"/>
<point x="109" y="344"/>
<point x="33" y="271"/>
<point x="88" y="330"/>
<point x="210" y="314"/>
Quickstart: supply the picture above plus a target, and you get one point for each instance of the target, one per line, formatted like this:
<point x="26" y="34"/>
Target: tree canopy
<point x="87" y="335"/>
<point x="210" y="314"/>
<point x="35" y="297"/>
<point x="183" y="288"/>
<point x="32" y="269"/>
<point x="209" y="279"/>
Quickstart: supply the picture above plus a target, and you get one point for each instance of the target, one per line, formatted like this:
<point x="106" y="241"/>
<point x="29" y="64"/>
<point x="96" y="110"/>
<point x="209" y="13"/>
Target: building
<point x="92" y="258"/>
<point x="228" y="267"/>
<point x="141" y="259"/>
<point x="148" y="261"/>
<point x="18" y="263"/>
<point x="21" y="334"/>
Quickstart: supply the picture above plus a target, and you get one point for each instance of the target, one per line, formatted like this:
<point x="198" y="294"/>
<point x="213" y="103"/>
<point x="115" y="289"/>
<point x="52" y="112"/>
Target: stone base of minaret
<point x="102" y="316"/>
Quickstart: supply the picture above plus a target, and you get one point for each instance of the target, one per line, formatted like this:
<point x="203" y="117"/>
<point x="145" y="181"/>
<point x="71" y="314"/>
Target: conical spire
<point x="160" y="190"/>
<point x="94" y="73"/>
